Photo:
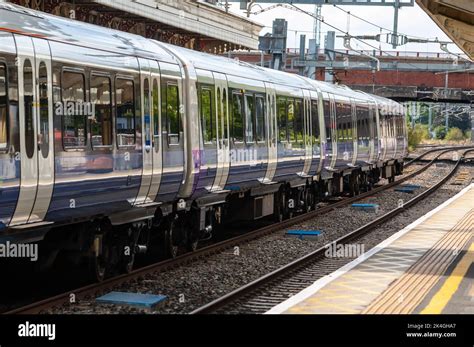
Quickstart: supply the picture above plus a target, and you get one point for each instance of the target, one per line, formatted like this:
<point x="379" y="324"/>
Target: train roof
<point x="20" y="20"/>
<point x="235" y="67"/>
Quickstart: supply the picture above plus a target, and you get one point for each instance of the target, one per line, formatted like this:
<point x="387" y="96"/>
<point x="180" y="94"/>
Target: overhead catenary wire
<point x="347" y="34"/>
<point x="379" y="26"/>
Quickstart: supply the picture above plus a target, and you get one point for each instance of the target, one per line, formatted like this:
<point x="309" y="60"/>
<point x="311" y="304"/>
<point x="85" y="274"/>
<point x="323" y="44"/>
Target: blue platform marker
<point x="414" y="186"/>
<point x="131" y="299"/>
<point x="302" y="233"/>
<point x="366" y="207"/>
<point x="405" y="190"/>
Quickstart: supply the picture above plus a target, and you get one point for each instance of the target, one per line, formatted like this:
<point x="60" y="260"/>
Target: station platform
<point x="426" y="268"/>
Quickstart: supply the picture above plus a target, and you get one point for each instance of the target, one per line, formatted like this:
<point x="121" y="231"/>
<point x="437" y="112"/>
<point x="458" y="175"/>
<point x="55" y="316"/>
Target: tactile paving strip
<point x="408" y="291"/>
<point x="356" y="290"/>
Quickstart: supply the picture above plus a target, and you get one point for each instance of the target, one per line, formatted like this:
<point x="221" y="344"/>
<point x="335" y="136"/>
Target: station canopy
<point x="456" y="18"/>
<point x="197" y="24"/>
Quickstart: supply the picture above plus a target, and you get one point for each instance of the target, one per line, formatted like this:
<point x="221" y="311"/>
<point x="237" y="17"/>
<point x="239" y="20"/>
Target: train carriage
<point x="110" y="140"/>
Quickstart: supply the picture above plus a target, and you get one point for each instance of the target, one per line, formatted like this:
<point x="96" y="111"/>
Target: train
<point x="112" y="144"/>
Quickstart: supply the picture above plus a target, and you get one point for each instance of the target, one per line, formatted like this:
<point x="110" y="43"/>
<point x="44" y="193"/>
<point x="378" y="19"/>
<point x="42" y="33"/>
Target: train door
<point x="146" y="121"/>
<point x="36" y="130"/>
<point x="222" y="132"/>
<point x="156" y="143"/>
<point x="307" y="136"/>
<point x="318" y="139"/>
<point x="355" y="132"/>
<point x="373" y="134"/>
<point x="272" y="131"/>
<point x="383" y="134"/>
<point x="333" y="128"/>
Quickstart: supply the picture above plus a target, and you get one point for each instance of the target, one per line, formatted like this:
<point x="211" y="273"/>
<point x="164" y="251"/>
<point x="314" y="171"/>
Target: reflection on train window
<point x="146" y="112"/>
<point x="260" y="118"/>
<point x="207" y="124"/>
<point x="125" y="101"/>
<point x="249" y="116"/>
<point x="156" y="110"/>
<point x="291" y="120"/>
<point x="28" y="104"/>
<point x="315" y="123"/>
<point x="101" y="123"/>
<point x="282" y="120"/>
<point x="43" y="133"/>
<point x="327" y="121"/>
<point x="223" y="120"/>
<point x="299" y="125"/>
<point x="173" y="120"/>
<point x="363" y="132"/>
<point x="3" y="108"/>
<point x="237" y="128"/>
<point x="74" y="120"/>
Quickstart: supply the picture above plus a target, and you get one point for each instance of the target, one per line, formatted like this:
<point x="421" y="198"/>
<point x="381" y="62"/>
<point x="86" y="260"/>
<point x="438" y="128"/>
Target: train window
<point x="237" y="129"/>
<point x="74" y="123"/>
<point x="260" y="118"/>
<point x="298" y="124"/>
<point x="101" y="123"/>
<point x="249" y="116"/>
<point x="156" y="114"/>
<point x="43" y="132"/>
<point x="282" y="120"/>
<point x="147" y="112"/>
<point x="291" y="120"/>
<point x="207" y="124"/>
<point x="3" y="108"/>
<point x="219" y="114"/>
<point x="315" y="123"/>
<point x="173" y="119"/>
<point x="125" y="101"/>
<point x="327" y="120"/>
<point x="28" y="104"/>
<point x="225" y="115"/>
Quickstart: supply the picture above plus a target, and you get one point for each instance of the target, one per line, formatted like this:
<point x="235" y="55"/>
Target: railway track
<point x="94" y="290"/>
<point x="266" y="292"/>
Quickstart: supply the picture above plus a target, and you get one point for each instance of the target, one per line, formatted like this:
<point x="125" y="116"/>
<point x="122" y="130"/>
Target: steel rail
<point x="319" y="254"/>
<point x="98" y="288"/>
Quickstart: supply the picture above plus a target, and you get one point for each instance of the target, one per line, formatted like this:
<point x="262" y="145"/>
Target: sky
<point x="413" y="21"/>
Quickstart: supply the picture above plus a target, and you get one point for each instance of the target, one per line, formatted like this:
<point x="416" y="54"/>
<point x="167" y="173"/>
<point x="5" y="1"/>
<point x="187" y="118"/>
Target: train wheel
<point x="171" y="240"/>
<point x="98" y="259"/>
<point x="97" y="269"/>
<point x="308" y="200"/>
<point x="128" y="264"/>
<point x="192" y="240"/>
<point x="281" y="210"/>
<point x="192" y="245"/>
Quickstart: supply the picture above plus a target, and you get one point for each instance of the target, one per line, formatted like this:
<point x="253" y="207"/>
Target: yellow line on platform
<point x="443" y="296"/>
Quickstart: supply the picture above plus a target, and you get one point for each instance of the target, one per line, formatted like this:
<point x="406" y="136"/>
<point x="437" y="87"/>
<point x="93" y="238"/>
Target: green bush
<point x="455" y="134"/>
<point x="468" y="134"/>
<point x="417" y="134"/>
<point x="440" y="132"/>
<point x="425" y="131"/>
